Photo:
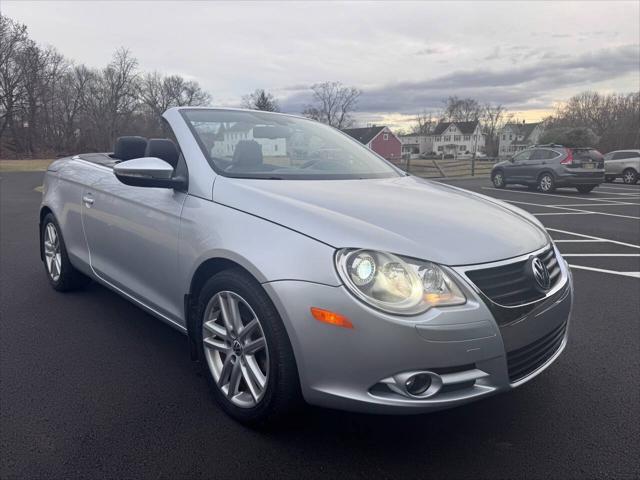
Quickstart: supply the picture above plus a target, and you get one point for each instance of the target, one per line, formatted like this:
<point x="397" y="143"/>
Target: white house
<point x="518" y="136"/>
<point x="460" y="139"/>
<point x="415" y="145"/>
<point x="226" y="139"/>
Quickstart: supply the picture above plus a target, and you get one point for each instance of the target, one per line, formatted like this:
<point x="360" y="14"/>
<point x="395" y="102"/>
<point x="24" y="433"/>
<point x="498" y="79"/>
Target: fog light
<point x="418" y="384"/>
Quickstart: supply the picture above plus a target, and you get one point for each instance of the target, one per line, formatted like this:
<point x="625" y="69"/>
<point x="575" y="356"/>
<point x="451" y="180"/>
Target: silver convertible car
<point x="302" y="266"/>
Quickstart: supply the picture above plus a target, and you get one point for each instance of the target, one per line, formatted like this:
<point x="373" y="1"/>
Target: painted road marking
<point x="592" y="237"/>
<point x="601" y="254"/>
<point x="602" y="270"/>
<point x="572" y="209"/>
<point x="555" y="195"/>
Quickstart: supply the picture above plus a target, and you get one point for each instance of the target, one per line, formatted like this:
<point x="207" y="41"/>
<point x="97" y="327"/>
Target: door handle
<point x="88" y="200"/>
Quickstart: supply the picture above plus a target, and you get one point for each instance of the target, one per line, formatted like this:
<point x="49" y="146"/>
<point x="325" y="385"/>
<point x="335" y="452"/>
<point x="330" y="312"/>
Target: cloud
<point x="532" y="85"/>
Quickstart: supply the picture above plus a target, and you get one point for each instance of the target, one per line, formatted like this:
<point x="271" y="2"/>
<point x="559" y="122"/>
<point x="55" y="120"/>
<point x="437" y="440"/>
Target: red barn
<point x="379" y="139"/>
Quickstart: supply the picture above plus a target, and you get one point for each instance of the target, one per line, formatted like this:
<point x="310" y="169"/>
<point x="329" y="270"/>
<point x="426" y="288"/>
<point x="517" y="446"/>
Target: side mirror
<point x="147" y="172"/>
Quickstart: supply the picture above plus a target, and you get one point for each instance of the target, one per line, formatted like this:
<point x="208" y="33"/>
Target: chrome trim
<point x="562" y="281"/>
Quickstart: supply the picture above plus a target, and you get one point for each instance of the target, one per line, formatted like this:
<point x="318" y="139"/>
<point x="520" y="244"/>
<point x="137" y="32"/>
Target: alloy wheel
<point x="52" y="255"/>
<point x="236" y="349"/>
<point x="545" y="183"/>
<point x="629" y="177"/>
<point x="498" y="180"/>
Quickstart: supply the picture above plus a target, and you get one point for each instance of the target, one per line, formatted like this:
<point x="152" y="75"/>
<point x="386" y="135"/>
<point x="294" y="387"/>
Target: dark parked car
<point x="546" y="167"/>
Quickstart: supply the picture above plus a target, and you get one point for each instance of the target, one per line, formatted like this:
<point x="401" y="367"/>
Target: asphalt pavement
<point x="91" y="386"/>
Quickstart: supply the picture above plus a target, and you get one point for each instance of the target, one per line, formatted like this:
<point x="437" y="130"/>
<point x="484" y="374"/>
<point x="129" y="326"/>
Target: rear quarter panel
<point x="64" y="184"/>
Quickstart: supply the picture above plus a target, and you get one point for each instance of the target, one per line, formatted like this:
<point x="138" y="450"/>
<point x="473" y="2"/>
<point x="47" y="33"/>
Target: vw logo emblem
<point x="540" y="273"/>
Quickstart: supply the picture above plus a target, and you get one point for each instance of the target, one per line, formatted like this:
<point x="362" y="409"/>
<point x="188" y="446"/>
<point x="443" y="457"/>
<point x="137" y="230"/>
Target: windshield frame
<point x="396" y="172"/>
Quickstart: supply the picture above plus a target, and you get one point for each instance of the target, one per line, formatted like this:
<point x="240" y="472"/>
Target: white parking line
<point x="601" y="254"/>
<point x="602" y="270"/>
<point x="556" y="195"/>
<point x="564" y="240"/>
<point x="561" y="213"/>
<point x="631" y="189"/>
<point x="573" y="209"/>
<point x="591" y="237"/>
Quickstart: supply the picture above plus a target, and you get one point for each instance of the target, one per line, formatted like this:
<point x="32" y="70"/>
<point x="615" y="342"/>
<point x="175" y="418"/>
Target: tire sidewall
<point x="64" y="262"/>
<point x="634" y="175"/>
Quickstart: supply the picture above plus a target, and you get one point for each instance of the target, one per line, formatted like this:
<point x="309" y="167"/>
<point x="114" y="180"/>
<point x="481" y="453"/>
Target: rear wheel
<point x="585" y="188"/>
<point x="546" y="184"/>
<point x="498" y="179"/>
<point x="251" y="368"/>
<point x="630" y="176"/>
<point x="61" y="274"/>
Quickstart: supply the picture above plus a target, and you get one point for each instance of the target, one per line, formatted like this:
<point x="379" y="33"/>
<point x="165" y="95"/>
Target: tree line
<point x="51" y="106"/>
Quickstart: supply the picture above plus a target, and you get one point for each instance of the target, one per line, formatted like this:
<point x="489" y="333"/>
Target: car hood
<point x="403" y="215"/>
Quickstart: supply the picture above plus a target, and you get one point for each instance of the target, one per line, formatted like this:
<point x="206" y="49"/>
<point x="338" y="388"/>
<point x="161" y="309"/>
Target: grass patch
<point x="24" y="165"/>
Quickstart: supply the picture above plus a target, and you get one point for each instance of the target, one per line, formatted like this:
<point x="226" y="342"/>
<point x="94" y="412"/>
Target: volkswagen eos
<point x="303" y="266"/>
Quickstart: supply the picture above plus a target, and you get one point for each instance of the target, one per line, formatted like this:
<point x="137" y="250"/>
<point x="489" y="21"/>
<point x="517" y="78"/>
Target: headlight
<point x="396" y="285"/>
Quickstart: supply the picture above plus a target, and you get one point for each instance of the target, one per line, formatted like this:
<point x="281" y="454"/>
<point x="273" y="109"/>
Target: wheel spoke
<point x="250" y="381"/>
<point x="254" y="345"/>
<point x="248" y="328"/>
<point x="216" y="329"/>
<point x="58" y="262"/>
<point x="224" y="311"/>
<point x="255" y="371"/>
<point x="234" y="311"/>
<point x="215" y="344"/>
<point x="234" y="381"/>
<point x="227" y="367"/>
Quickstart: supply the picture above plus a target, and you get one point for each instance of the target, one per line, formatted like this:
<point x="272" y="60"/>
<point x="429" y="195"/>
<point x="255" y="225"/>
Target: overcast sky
<point x="406" y="57"/>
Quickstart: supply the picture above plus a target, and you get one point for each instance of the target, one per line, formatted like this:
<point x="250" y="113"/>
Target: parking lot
<point x="90" y="385"/>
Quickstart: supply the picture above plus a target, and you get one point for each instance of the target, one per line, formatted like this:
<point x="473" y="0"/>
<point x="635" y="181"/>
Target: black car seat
<point x="164" y="149"/>
<point x="130" y="147"/>
<point x="247" y="156"/>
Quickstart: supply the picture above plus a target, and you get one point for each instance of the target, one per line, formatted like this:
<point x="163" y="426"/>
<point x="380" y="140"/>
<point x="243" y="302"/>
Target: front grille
<point x="512" y="284"/>
<point x="525" y="360"/>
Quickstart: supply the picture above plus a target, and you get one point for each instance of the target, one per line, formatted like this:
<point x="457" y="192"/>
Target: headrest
<point x="164" y="149"/>
<point x="129" y="147"/>
<point x="248" y="153"/>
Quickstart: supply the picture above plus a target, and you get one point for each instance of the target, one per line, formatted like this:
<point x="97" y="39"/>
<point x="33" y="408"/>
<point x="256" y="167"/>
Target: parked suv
<point x="622" y="163"/>
<point x="545" y="167"/>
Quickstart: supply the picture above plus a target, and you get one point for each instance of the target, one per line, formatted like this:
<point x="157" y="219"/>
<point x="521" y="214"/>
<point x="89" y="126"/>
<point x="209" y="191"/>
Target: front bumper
<point x="345" y="368"/>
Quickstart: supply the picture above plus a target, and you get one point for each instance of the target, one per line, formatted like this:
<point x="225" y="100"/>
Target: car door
<point x="132" y="235"/>
<point x="537" y="162"/>
<point x="515" y="170"/>
<point x="617" y="162"/>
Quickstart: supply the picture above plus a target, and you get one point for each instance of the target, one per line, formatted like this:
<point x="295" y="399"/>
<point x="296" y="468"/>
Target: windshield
<point x="265" y="145"/>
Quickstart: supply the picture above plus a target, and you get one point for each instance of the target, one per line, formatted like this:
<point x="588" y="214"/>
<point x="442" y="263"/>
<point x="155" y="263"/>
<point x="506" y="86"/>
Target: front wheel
<point x="61" y="274"/>
<point x="498" y="179"/>
<point x="630" y="176"/>
<point x="585" y="188"/>
<point x="546" y="184"/>
<point x="251" y="367"/>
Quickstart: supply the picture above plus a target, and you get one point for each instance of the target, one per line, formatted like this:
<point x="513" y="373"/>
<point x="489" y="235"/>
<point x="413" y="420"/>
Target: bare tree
<point x="424" y="123"/>
<point x="494" y="117"/>
<point x="461" y="109"/>
<point x="333" y="104"/>
<point x="614" y="119"/>
<point x="260" y="100"/>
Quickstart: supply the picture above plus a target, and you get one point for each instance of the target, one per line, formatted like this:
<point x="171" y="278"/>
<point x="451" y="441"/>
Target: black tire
<point x="498" y="179"/>
<point x="68" y="278"/>
<point x="609" y="178"/>
<point x="585" y="188"/>
<point x="630" y="176"/>
<point x="282" y="395"/>
<point x="546" y="183"/>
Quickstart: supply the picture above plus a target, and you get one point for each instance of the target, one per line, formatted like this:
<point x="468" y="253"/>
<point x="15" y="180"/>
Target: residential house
<point x="460" y="139"/>
<point x="414" y="145"/>
<point x="518" y="136"/>
<point x="379" y="139"/>
<point x="226" y="139"/>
